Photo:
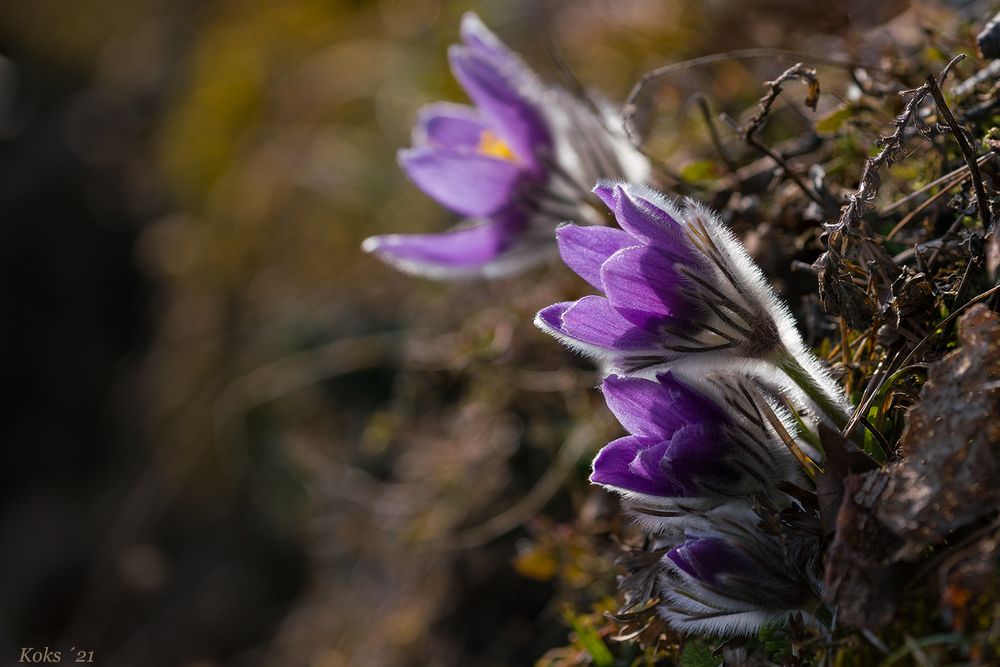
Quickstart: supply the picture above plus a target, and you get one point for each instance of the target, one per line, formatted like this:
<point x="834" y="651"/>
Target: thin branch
<point x="923" y="207"/>
<point x="983" y="159"/>
<point x="778" y="160"/>
<point x="963" y="144"/>
<point x="796" y="71"/>
<point x="631" y="106"/>
<point x="713" y="131"/>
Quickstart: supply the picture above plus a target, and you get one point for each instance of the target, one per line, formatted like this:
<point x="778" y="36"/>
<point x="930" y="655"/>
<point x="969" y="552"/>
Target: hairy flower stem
<point x="828" y="408"/>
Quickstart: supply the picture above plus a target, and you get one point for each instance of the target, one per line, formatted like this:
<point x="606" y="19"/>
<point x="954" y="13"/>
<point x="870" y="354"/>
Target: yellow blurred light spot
<point x="537" y="562"/>
<point x="492" y="145"/>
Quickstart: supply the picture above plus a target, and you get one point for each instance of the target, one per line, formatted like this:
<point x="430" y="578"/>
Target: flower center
<point x="492" y="145"/>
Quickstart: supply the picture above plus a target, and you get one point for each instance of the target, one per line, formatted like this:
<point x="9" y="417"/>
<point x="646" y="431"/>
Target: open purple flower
<point x="685" y="450"/>
<point x="515" y="166"/>
<point x="733" y="581"/>
<point x="680" y="292"/>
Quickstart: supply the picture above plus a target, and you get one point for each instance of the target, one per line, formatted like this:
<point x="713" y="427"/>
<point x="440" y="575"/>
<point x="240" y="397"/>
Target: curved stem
<point x="826" y="405"/>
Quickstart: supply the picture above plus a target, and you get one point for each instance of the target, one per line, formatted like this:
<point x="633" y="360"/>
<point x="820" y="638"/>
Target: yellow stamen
<point x="492" y="145"/>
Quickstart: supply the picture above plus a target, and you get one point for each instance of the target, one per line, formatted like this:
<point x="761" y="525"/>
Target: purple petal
<point x="674" y="467"/>
<point x="445" y="125"/>
<point x="658" y="407"/>
<point x="697" y="453"/>
<point x="475" y="34"/>
<point x="642" y="406"/>
<point x="551" y="317"/>
<point x="585" y="249"/>
<point x="632" y="464"/>
<point x="468" y="183"/>
<point x="467" y="247"/>
<point x="706" y="559"/>
<point x="594" y="323"/>
<point x="646" y="221"/>
<point x="643" y="285"/>
<point x="499" y="92"/>
<point x="695" y="406"/>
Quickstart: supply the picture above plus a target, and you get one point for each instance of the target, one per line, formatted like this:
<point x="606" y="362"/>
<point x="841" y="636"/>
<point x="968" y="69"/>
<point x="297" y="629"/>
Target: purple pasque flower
<point x="518" y="163"/>
<point x="681" y="292"/>
<point x="733" y="580"/>
<point x="687" y="452"/>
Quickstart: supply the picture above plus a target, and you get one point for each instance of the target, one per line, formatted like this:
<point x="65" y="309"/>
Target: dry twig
<point x="963" y="143"/>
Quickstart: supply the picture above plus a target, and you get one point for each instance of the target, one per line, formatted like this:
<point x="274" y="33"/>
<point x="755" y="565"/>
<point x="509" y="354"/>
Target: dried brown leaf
<point x="951" y="444"/>
<point x="860" y="579"/>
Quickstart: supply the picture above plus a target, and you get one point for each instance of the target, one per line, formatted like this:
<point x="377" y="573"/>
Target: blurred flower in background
<point x="525" y="159"/>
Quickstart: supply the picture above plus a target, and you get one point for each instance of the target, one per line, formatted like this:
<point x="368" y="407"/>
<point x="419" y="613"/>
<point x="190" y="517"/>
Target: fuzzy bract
<point x="733" y="581"/>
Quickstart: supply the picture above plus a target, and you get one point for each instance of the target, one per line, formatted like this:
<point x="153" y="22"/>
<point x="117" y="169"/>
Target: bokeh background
<point x="230" y="437"/>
